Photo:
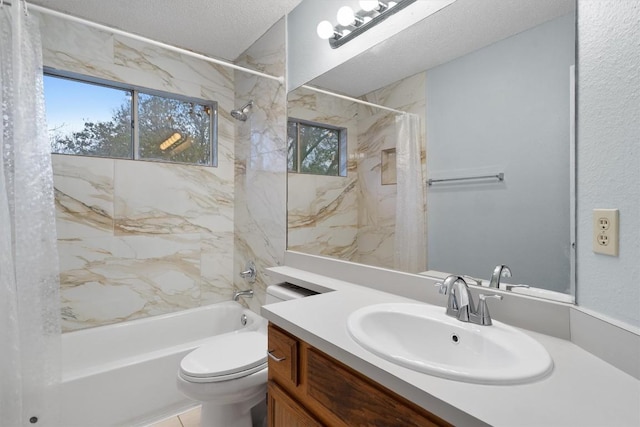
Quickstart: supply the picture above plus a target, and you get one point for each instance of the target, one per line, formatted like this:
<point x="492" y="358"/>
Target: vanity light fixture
<point x="351" y="24"/>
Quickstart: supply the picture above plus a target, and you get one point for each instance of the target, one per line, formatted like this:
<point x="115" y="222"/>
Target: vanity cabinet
<point x="309" y="388"/>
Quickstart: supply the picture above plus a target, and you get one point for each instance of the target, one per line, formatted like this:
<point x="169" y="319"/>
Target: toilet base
<point x="234" y="415"/>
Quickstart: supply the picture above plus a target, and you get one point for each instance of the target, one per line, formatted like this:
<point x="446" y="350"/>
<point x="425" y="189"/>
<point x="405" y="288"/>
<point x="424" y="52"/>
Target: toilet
<point x="228" y="374"/>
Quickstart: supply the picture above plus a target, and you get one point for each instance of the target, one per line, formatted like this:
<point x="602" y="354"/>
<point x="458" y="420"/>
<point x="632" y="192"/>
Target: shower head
<point x="241" y="113"/>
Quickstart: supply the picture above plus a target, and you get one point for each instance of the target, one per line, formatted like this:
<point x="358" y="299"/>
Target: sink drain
<point x="455" y="338"/>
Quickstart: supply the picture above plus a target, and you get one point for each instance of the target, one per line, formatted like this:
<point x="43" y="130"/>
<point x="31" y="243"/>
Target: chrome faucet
<point x="498" y="272"/>
<point x="250" y="272"/>
<point x="460" y="302"/>
<point x="238" y="294"/>
<point x="483" y="311"/>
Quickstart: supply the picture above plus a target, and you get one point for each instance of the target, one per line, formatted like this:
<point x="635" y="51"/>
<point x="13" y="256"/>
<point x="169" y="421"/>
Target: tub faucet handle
<point x="250" y="272"/>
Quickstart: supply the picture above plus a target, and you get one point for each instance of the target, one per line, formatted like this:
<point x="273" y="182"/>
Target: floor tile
<point x="191" y="418"/>
<point x="169" y="422"/>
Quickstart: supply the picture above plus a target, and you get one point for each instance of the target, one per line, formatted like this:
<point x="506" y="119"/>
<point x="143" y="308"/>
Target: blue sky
<point x="69" y="103"/>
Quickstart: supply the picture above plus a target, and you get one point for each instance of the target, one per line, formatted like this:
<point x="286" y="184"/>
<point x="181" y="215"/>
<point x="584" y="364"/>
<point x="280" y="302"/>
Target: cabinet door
<point x="356" y="400"/>
<point x="283" y="356"/>
<point x="286" y="412"/>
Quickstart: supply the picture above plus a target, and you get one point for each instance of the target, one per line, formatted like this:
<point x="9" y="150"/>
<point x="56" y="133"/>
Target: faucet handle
<point x="442" y="288"/>
<point x="509" y="287"/>
<point x="478" y="282"/>
<point x="483" y="309"/>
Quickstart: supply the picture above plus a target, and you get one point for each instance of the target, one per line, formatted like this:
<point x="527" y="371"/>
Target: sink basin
<point x="421" y="337"/>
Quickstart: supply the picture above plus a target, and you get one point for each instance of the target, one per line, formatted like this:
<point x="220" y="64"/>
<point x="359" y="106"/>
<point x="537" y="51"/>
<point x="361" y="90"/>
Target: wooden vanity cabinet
<point x="308" y="388"/>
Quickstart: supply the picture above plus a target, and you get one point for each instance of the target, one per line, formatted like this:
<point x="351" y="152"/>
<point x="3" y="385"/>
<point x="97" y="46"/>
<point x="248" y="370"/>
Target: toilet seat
<point x="226" y="357"/>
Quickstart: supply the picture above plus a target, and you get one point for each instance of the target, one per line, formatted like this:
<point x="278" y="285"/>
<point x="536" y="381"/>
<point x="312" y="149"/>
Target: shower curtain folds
<point x="410" y="253"/>
<point x="29" y="284"/>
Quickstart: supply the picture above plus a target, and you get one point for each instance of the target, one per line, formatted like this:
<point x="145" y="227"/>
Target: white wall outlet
<point x="605" y="231"/>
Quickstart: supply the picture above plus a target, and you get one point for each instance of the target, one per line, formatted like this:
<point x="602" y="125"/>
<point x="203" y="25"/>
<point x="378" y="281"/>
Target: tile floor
<point x="187" y="419"/>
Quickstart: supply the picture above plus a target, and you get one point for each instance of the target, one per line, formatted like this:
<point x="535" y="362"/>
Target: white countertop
<point x="582" y="390"/>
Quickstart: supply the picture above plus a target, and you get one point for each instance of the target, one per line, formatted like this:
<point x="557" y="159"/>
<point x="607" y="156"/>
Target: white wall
<point x="608" y="162"/>
<point x="503" y="108"/>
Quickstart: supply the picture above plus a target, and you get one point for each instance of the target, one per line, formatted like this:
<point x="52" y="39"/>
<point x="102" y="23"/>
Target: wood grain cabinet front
<point x="326" y="392"/>
<point x="283" y="356"/>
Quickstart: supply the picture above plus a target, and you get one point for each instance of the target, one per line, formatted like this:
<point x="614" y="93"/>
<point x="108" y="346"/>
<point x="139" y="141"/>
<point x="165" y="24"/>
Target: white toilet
<point x="229" y="373"/>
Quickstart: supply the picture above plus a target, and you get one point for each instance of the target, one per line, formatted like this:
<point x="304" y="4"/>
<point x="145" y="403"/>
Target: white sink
<point x="421" y="337"/>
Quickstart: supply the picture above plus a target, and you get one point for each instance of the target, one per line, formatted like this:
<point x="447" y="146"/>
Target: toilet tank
<point x="286" y="291"/>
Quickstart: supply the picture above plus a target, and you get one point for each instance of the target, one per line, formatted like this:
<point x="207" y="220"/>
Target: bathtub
<point x="125" y="374"/>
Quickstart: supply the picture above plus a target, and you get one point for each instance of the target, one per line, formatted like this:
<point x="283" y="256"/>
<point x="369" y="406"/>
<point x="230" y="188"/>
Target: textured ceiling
<point x="226" y="28"/>
<point x="458" y="29"/>
<point x="218" y="28"/>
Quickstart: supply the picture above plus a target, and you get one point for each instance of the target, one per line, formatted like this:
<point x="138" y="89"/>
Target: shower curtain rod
<point x="359" y="101"/>
<point x="150" y="41"/>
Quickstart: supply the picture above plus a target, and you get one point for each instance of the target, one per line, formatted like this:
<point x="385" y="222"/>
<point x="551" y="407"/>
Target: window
<point x="91" y="117"/>
<point x="316" y="148"/>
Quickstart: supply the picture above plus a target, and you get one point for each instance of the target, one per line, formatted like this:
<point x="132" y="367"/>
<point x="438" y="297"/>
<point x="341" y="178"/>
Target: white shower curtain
<point x="410" y="253"/>
<point x="29" y="300"/>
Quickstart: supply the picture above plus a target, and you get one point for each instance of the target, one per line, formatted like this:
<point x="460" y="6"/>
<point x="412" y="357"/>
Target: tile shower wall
<point x="261" y="163"/>
<point x="351" y="218"/>
<point x="140" y="238"/>
<point x="323" y="210"/>
<point x="377" y="132"/>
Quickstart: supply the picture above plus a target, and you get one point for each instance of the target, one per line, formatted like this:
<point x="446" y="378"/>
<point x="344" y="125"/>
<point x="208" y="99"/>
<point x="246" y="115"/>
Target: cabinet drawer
<point x="283" y="356"/>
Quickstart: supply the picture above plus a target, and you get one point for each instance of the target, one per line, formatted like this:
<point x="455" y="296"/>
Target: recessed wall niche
<point x="388" y="167"/>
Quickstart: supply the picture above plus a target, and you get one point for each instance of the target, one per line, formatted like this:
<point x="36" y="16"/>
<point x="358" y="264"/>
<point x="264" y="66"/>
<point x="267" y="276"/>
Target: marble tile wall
<point x="141" y="238"/>
<point x="261" y="163"/>
<point x="322" y="210"/>
<point x="376" y="132"/>
<point x="351" y="218"/>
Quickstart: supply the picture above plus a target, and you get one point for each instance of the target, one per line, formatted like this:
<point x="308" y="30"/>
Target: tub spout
<point x="238" y="294"/>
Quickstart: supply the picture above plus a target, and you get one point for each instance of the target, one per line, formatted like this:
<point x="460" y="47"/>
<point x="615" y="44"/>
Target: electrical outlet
<point x="605" y="231"/>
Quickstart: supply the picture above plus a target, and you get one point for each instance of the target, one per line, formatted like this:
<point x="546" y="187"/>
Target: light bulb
<point x="369" y="5"/>
<point x="325" y="30"/>
<point x="346" y="16"/>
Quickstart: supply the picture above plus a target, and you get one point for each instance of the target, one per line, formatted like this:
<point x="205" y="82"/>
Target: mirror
<point x="492" y="83"/>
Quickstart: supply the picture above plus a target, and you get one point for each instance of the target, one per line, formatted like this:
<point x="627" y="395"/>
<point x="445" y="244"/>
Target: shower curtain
<point x="410" y="253"/>
<point x="29" y="300"/>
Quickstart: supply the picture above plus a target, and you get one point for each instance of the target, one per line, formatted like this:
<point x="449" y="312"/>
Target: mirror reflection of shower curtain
<point x="29" y="283"/>
<point x="410" y="249"/>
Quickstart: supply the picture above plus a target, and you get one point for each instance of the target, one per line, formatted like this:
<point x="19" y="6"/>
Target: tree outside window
<point x="316" y="148"/>
<point x="91" y="119"/>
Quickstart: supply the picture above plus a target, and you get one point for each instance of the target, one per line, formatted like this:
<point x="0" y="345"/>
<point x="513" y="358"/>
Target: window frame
<point x="135" y="133"/>
<point x="342" y="146"/>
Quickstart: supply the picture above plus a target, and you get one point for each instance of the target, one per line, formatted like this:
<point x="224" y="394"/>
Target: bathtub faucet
<point x="238" y="294"/>
<point x="250" y="272"/>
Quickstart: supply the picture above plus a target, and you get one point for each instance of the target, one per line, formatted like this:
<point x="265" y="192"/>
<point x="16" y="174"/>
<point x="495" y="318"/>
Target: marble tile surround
<point x="351" y="218"/>
<point x="322" y="210"/>
<point x="260" y="164"/>
<point x="137" y="238"/>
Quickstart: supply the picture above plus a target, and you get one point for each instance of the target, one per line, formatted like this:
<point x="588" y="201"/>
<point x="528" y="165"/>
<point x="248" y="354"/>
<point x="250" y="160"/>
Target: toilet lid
<point x="226" y="354"/>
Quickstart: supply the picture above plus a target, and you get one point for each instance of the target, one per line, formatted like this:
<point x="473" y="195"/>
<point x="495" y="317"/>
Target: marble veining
<point x="138" y="238"/>
<point x="260" y="163"/>
<point x="351" y="218"/>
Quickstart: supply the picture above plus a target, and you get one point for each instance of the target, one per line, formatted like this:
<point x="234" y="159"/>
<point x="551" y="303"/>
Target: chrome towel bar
<point x="499" y="177"/>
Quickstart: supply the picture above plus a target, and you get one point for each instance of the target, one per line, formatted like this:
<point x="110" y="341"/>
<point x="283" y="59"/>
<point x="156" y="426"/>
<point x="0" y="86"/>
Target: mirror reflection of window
<point x="316" y="148"/>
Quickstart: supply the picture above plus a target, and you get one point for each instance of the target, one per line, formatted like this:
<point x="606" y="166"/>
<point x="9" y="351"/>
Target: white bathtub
<point x="125" y="374"/>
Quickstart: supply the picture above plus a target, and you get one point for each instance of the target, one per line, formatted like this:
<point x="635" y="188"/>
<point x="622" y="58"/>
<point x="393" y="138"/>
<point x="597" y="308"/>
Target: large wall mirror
<point x="491" y="84"/>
